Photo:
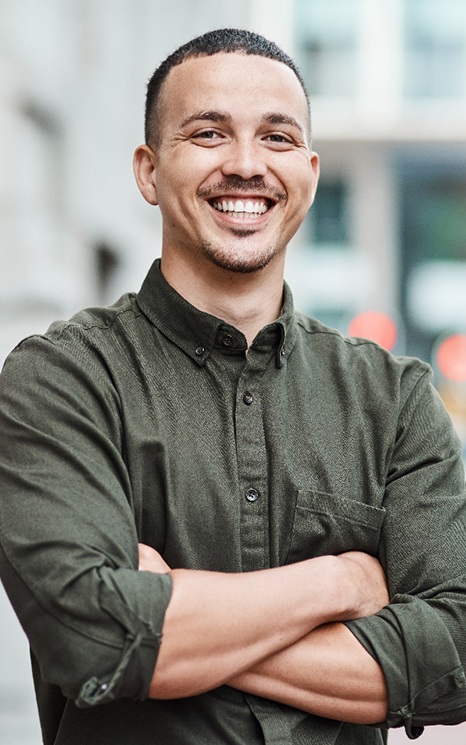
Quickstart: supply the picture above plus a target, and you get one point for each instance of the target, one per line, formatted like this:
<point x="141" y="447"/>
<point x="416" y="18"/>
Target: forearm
<point x="327" y="673"/>
<point x="219" y="625"/>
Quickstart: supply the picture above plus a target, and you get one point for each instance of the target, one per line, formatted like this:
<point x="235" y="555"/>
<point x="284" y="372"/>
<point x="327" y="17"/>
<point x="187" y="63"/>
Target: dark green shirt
<point x="147" y="422"/>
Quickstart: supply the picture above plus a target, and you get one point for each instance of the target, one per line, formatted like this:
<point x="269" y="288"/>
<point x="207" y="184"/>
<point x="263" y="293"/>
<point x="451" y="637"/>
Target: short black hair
<point x="213" y="42"/>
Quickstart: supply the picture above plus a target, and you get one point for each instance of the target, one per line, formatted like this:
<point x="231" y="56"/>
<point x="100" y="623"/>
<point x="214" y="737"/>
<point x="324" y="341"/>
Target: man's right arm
<point x="219" y="625"/>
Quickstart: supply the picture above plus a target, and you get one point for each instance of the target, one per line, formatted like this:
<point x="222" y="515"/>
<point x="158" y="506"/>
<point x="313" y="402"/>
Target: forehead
<point x="232" y="82"/>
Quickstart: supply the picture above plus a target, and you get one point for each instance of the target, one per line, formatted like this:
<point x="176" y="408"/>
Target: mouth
<point x="244" y="208"/>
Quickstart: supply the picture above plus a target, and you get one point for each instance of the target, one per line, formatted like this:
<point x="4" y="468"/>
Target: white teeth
<point x="241" y="208"/>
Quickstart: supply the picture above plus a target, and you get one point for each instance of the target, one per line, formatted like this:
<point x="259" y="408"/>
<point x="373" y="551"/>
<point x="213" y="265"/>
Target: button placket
<point x="252" y="465"/>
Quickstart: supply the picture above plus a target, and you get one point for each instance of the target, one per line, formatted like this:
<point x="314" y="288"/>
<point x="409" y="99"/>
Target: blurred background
<point x="382" y="253"/>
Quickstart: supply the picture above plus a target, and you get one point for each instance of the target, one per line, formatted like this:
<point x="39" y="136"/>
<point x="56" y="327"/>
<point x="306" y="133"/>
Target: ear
<point x="315" y="166"/>
<point x="144" y="171"/>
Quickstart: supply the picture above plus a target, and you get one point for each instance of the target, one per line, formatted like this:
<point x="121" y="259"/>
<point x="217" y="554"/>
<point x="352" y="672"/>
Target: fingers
<point x="151" y="561"/>
<point x="368" y="582"/>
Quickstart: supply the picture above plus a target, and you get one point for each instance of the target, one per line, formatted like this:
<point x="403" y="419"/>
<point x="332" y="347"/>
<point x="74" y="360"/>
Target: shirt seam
<point x="70" y="325"/>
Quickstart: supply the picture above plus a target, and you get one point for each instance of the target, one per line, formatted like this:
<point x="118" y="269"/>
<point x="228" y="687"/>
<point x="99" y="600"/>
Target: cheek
<point x="298" y="177"/>
<point x="308" y="183"/>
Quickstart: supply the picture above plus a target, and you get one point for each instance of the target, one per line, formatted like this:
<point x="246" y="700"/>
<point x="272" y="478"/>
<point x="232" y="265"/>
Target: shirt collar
<point x="198" y="333"/>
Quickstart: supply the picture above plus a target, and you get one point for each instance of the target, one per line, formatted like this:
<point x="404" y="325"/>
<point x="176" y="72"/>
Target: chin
<point x="239" y="261"/>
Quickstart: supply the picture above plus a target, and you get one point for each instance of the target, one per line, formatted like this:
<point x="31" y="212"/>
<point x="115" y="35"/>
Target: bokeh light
<point x="451" y="357"/>
<point x="376" y="326"/>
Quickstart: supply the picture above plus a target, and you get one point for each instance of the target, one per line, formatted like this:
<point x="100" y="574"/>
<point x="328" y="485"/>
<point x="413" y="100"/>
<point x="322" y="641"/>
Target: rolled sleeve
<point x="424" y="674"/>
<point x="136" y="662"/>
<point x="68" y="535"/>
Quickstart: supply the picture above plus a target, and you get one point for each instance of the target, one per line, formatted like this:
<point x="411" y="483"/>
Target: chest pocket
<point x="327" y="524"/>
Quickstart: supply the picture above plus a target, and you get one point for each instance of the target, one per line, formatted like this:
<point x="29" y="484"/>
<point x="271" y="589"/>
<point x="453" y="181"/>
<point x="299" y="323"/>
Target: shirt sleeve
<point x="419" y="639"/>
<point x="68" y="541"/>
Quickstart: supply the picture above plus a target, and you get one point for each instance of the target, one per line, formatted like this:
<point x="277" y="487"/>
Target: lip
<point x="244" y="195"/>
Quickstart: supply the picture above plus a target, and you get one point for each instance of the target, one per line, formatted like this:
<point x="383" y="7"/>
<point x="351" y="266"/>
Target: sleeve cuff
<point x="425" y="679"/>
<point x="143" y="622"/>
<point x="136" y="665"/>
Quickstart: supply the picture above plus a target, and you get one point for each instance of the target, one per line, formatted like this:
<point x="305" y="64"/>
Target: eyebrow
<point x="279" y="118"/>
<point x="272" y="117"/>
<point x="210" y="116"/>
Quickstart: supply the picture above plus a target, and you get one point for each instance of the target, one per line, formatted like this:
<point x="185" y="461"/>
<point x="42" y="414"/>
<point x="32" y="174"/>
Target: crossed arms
<point x="275" y="633"/>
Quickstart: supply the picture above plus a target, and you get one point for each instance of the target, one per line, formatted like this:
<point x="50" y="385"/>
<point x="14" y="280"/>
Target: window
<point x="434" y="219"/>
<point x="435" y="48"/>
<point x="433" y="235"/>
<point x="329" y="215"/>
<point x="326" y="35"/>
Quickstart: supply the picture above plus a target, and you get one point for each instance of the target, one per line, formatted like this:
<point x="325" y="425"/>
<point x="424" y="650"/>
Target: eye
<point x="279" y="139"/>
<point x="207" y="136"/>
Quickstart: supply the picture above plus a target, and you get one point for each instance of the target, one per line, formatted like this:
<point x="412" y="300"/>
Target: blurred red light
<point x="376" y="326"/>
<point x="451" y="357"/>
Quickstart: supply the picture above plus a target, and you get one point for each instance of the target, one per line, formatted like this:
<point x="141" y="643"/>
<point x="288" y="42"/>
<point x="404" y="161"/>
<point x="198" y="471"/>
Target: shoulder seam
<point x="72" y="325"/>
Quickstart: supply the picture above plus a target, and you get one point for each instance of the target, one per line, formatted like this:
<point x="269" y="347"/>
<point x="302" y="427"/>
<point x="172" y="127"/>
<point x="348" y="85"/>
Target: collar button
<point x="228" y="341"/>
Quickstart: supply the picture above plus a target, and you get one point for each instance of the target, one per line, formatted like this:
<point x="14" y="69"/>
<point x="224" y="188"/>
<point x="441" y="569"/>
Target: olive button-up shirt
<point x="151" y="421"/>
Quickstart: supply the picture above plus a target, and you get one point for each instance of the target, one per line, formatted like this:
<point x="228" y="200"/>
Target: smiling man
<point x="221" y="521"/>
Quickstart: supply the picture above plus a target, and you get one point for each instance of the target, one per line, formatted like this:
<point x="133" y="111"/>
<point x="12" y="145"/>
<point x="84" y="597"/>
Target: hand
<point x="368" y="581"/>
<point x="151" y="561"/>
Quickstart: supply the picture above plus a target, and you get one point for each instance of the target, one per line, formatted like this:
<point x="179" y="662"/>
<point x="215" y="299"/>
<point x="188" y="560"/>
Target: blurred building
<point x="386" y="236"/>
<point x="388" y="80"/>
<point x="387" y="233"/>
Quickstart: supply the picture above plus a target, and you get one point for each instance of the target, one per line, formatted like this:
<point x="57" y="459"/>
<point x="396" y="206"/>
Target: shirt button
<point x="248" y="398"/>
<point x="199" y="351"/>
<point x="228" y="340"/>
<point x="251" y="495"/>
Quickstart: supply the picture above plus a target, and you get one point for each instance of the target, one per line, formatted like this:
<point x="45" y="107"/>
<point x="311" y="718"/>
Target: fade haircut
<point x="224" y="40"/>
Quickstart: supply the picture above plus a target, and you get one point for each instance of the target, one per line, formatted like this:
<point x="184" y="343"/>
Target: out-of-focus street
<point x="432" y="736"/>
<point x="19" y="724"/>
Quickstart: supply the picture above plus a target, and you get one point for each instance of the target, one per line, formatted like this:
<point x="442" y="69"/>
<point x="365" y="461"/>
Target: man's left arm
<point x="327" y="673"/>
<point x="414" y="648"/>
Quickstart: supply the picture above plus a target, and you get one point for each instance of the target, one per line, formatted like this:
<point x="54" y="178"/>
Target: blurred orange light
<point x="451" y="357"/>
<point x="376" y="326"/>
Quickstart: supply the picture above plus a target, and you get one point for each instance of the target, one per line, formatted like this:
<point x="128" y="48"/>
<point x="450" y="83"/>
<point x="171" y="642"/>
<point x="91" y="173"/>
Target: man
<point x="200" y="487"/>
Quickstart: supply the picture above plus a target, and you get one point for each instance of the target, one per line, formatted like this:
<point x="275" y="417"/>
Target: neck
<point x="247" y="301"/>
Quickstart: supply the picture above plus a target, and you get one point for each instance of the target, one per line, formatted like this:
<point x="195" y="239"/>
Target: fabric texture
<point x="147" y="421"/>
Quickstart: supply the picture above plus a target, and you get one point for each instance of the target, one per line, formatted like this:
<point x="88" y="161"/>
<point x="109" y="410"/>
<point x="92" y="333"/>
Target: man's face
<point x="234" y="175"/>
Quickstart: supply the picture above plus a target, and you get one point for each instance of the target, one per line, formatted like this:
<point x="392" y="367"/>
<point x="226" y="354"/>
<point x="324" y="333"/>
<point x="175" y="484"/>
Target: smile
<point x="242" y="208"/>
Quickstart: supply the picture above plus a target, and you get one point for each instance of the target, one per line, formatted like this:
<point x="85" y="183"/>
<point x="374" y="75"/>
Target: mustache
<point x="256" y="184"/>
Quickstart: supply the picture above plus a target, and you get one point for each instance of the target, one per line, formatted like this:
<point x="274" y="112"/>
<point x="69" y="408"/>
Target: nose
<point x="245" y="159"/>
